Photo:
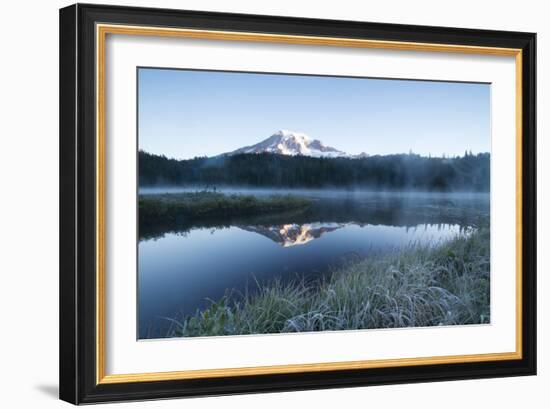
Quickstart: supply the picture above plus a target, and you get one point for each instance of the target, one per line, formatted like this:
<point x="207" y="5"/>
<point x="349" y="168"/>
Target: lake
<point x="182" y="267"/>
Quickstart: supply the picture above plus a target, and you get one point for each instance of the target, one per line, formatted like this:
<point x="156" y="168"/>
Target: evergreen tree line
<point x="389" y="172"/>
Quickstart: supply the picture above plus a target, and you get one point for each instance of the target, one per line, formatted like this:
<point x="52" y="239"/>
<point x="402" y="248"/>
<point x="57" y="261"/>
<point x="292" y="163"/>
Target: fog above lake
<point x="319" y="193"/>
<point x="361" y="207"/>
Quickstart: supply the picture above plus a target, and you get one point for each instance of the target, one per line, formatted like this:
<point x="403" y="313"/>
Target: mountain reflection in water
<point x="288" y="235"/>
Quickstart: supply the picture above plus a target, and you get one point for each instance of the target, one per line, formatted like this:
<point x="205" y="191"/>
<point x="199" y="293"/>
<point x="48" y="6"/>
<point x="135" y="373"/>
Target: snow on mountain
<point x="291" y="143"/>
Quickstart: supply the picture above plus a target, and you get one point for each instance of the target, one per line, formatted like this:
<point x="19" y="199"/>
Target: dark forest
<point x="389" y="172"/>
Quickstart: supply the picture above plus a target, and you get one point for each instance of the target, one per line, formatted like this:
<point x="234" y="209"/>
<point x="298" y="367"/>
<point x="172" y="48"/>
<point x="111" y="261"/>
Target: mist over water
<point x="321" y="193"/>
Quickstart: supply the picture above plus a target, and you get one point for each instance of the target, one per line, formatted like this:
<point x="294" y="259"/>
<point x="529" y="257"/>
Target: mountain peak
<point x="285" y="142"/>
<point x="285" y="133"/>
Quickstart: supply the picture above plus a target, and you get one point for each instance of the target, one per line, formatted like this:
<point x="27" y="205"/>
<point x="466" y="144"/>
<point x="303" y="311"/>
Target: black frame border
<point x="77" y="151"/>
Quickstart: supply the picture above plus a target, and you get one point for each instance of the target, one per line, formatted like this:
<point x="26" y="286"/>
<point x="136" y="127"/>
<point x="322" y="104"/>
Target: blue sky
<point x="183" y="113"/>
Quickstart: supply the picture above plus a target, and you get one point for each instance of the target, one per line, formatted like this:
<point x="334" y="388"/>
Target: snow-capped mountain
<point x="291" y="143"/>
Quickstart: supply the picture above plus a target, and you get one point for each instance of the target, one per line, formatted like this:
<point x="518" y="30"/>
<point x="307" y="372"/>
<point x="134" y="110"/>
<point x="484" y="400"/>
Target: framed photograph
<point x="257" y="203"/>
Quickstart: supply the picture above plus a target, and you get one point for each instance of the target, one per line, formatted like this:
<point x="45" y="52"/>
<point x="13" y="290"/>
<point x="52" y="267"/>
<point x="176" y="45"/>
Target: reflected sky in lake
<point x="180" y="272"/>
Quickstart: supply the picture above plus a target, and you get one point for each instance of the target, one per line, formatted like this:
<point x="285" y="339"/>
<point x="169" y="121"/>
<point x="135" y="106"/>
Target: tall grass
<point x="420" y="285"/>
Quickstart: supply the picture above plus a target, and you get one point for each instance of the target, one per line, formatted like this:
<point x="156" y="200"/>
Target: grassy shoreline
<point x="175" y="207"/>
<point x="420" y="285"/>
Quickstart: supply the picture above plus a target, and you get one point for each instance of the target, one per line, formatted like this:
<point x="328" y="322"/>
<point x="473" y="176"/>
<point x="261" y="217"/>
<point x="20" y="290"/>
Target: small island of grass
<point x="190" y="206"/>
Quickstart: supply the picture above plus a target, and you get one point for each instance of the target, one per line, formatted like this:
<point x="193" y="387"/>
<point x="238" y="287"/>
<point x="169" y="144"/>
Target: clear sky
<point x="183" y="113"/>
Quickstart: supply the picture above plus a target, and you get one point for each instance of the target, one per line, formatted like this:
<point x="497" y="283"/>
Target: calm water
<point x="182" y="267"/>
